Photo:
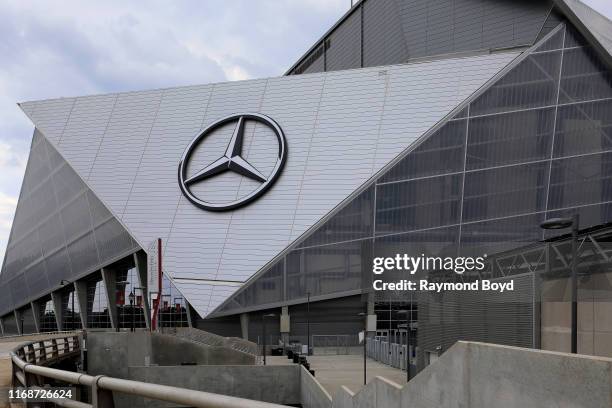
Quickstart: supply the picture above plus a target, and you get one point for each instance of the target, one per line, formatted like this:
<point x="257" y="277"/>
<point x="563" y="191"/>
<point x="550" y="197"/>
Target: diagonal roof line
<point x="89" y="186"/>
<point x="595" y="27"/>
<point x="217" y="312"/>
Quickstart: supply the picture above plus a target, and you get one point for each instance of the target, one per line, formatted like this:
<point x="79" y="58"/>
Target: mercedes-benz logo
<point x="232" y="160"/>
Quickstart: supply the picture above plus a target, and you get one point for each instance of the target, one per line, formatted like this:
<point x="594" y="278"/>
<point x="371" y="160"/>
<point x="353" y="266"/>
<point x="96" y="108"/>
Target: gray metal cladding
<point x="60" y="230"/>
<point x="395" y="31"/>
<point x="492" y="317"/>
<point x="599" y="26"/>
<point x="344" y="50"/>
<point x="383" y="46"/>
<point x="341" y="128"/>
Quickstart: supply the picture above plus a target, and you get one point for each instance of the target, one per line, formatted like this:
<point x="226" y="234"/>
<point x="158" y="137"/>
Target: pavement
<point x="5" y="368"/>
<point x="333" y="372"/>
<point x="7" y="344"/>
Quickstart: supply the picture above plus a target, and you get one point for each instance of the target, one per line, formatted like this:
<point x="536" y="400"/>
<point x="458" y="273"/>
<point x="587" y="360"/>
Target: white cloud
<point x="71" y="47"/>
<point x="7" y="209"/>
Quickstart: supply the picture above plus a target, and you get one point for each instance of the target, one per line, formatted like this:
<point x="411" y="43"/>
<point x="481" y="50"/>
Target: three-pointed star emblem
<point x="231" y="160"/>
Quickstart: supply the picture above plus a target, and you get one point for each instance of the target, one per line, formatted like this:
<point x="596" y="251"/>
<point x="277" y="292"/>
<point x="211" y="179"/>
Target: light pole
<point x="365" y="336"/>
<point x="408" y="318"/>
<point x="308" y="325"/>
<point x="574" y="223"/>
<point x="263" y="320"/>
<point x="132" y="296"/>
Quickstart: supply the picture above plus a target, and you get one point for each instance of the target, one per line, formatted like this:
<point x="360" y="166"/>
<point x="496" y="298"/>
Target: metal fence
<point x="392" y="354"/>
<point x="339" y="344"/>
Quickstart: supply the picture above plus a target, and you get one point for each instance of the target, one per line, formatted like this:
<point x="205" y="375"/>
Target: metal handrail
<point x="101" y="387"/>
<point x="49" y="333"/>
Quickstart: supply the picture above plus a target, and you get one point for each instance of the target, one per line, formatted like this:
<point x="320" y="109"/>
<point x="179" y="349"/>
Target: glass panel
<point x="553" y="43"/>
<point x="583" y="128"/>
<point x="439" y="242"/>
<point x="97" y="305"/>
<point x="580" y="180"/>
<point x="493" y="237"/>
<point x="573" y="38"/>
<point x="434" y="242"/>
<point x="173" y="309"/>
<point x="129" y="297"/>
<point x="441" y="153"/>
<point x="505" y="191"/>
<point x="462" y="113"/>
<point x="354" y="221"/>
<point x="590" y="216"/>
<point x="47" y="317"/>
<point x="584" y="76"/>
<point x="531" y="84"/>
<point x="327" y="269"/>
<point x="509" y="138"/>
<point x="72" y="316"/>
<point x="418" y="204"/>
<point x="268" y="288"/>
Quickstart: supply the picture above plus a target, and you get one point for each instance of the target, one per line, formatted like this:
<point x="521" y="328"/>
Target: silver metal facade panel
<point x="117" y="160"/>
<point x="383" y="47"/>
<point x="598" y="25"/>
<point x="341" y="128"/>
<point x="60" y="230"/>
<point x="396" y="31"/>
<point x="54" y="114"/>
<point x="85" y="129"/>
<point x="180" y="116"/>
<point x="345" y="45"/>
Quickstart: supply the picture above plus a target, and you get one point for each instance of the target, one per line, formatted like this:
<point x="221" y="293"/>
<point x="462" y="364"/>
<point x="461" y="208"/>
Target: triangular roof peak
<point x="594" y="26"/>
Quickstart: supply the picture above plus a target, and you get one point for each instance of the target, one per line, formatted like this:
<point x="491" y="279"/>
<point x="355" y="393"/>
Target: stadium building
<point x="446" y="128"/>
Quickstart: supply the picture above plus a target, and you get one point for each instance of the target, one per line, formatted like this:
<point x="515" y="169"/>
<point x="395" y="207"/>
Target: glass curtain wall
<point x="535" y="144"/>
<point x="98" y="315"/>
<point x="72" y="310"/>
<point x="47" y="316"/>
<point x="129" y="295"/>
<point x="173" y="307"/>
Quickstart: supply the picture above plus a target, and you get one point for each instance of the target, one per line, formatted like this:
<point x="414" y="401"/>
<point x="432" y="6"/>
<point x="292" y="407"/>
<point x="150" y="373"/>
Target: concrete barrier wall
<point x="111" y="353"/>
<point x="276" y="384"/>
<point x="313" y="395"/>
<point x="479" y="375"/>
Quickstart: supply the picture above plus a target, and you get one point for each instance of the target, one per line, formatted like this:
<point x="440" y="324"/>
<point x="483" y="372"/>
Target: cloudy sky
<point x="68" y="48"/>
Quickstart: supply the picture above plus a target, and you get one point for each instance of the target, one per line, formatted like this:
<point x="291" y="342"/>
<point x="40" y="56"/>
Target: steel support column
<point x="80" y="291"/>
<point x="244" y="325"/>
<point x="58" y="310"/>
<point x="140" y="260"/>
<point x="110" y="283"/>
<point x="18" y="315"/>
<point x="36" y="315"/>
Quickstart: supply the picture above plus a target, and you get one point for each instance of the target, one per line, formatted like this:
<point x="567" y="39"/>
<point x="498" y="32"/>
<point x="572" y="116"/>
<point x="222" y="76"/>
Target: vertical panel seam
<point x="108" y="122"/>
<point x="312" y="136"/>
<point x="144" y="149"/>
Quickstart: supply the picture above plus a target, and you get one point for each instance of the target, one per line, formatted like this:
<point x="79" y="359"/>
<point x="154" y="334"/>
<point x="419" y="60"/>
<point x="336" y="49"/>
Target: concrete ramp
<point x="480" y="375"/>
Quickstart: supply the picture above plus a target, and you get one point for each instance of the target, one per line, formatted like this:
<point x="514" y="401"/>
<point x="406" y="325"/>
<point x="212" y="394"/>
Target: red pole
<point x="159" y="283"/>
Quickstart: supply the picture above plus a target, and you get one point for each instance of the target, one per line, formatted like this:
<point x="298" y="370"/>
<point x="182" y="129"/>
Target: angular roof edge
<point x="595" y="27"/>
